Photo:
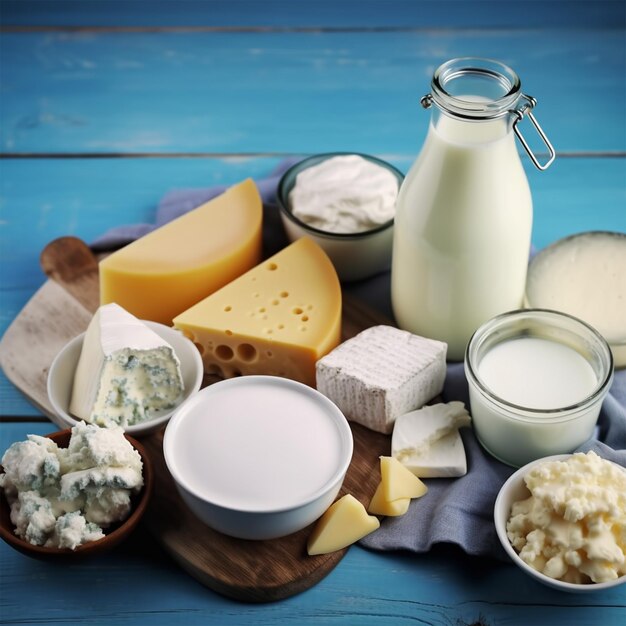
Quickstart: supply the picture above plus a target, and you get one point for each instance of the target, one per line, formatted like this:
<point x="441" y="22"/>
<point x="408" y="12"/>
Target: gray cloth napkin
<point x="455" y="510"/>
<point x="460" y="510"/>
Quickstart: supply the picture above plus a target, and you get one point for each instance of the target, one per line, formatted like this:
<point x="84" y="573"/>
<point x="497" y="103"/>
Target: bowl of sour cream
<point x="346" y="203"/>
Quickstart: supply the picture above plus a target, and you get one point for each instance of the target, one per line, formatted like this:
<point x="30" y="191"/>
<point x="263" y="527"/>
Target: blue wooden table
<point x="105" y="106"/>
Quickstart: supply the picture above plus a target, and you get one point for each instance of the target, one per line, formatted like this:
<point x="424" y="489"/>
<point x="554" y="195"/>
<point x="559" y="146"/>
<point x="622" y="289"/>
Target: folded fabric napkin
<point x="455" y="510"/>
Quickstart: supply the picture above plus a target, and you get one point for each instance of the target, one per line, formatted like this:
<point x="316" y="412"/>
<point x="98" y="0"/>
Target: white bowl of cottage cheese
<point x="346" y="203"/>
<point x="562" y="520"/>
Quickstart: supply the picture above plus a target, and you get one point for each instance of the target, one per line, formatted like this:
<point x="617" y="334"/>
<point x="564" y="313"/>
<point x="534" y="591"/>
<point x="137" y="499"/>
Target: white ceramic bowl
<point x="515" y="489"/>
<point x="63" y="368"/>
<point x="355" y="255"/>
<point x="258" y="457"/>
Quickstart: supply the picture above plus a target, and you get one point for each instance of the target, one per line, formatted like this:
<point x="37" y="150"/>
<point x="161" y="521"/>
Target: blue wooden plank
<point x="444" y="586"/>
<point x="287" y="92"/>
<point x="45" y="198"/>
<point x="322" y="13"/>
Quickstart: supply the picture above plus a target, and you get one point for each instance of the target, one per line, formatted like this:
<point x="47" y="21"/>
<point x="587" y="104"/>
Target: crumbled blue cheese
<point x="382" y="373"/>
<point x="126" y="373"/>
<point x="63" y="497"/>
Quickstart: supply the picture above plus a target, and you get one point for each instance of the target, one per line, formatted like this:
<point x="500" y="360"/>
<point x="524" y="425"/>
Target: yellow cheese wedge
<point x="380" y="506"/>
<point x="398" y="482"/>
<point x="277" y="319"/>
<point x="345" y="522"/>
<point x="173" y="267"/>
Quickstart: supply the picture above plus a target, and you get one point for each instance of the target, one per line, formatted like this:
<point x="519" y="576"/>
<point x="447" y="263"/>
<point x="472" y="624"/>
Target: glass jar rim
<point x="529" y="414"/>
<point x="465" y="108"/>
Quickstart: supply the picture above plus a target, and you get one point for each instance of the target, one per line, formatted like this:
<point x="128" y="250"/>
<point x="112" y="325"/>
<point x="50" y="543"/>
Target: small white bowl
<point x="63" y="368"/>
<point x="513" y="490"/>
<point x="258" y="457"/>
<point x="355" y="255"/>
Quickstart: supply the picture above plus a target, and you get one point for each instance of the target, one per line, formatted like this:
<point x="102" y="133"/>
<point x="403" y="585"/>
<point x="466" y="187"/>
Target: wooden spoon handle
<point x="69" y="262"/>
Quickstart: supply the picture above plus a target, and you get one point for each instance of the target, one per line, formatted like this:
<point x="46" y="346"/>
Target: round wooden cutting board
<point x="253" y="571"/>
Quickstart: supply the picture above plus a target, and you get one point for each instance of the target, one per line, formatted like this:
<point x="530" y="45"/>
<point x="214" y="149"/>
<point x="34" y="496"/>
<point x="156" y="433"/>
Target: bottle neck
<point x="474" y="132"/>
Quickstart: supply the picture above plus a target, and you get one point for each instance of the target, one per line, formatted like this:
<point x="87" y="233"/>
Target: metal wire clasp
<point x="526" y="109"/>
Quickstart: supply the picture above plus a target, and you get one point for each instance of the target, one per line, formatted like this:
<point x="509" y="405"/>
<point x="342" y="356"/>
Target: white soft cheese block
<point x="428" y="443"/>
<point x="382" y="373"/>
<point x="126" y="372"/>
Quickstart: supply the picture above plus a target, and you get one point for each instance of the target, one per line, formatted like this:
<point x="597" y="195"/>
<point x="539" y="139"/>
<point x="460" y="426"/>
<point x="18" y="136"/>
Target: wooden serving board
<point x="254" y="571"/>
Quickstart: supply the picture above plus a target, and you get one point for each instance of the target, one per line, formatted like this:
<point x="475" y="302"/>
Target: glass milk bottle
<point x="464" y="212"/>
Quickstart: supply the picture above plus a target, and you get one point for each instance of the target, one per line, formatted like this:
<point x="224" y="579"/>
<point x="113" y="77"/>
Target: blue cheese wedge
<point x="428" y="443"/>
<point x="382" y="373"/>
<point x="126" y="372"/>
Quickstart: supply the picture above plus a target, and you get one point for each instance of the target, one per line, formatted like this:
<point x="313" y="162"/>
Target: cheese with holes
<point x="380" y="506"/>
<point x="428" y="443"/>
<point x="398" y="482"/>
<point x="345" y="522"/>
<point x="382" y="373"/>
<point x="277" y="319"/>
<point x="126" y="373"/>
<point x="173" y="267"/>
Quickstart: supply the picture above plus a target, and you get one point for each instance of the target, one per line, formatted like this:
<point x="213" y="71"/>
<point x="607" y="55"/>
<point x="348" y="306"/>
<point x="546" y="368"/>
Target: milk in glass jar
<point x="464" y="212"/>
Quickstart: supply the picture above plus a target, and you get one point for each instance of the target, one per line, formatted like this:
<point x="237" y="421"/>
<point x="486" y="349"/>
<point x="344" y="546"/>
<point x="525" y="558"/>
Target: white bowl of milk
<point x="537" y="379"/>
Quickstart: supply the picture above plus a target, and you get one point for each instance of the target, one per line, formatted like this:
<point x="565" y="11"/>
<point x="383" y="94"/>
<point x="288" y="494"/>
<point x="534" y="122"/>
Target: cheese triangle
<point x="277" y="319"/>
<point x="345" y="522"/>
<point x="171" y="268"/>
<point x="380" y="506"/>
<point x="398" y="482"/>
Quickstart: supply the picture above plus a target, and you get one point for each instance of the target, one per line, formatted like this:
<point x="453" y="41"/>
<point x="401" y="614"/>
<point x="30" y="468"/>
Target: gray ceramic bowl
<point x="354" y="255"/>
<point x="61" y="378"/>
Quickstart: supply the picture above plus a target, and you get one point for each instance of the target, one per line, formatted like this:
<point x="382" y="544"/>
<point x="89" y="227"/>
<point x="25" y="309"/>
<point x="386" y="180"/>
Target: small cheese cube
<point x="380" y="506"/>
<point x="382" y="373"/>
<point x="427" y="441"/>
<point x="398" y="482"/>
<point x="345" y="522"/>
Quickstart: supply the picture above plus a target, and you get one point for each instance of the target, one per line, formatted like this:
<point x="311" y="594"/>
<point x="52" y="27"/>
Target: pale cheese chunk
<point x="428" y="443"/>
<point x="126" y="372"/>
<point x="345" y="522"/>
<point x="380" y="506"/>
<point x="398" y="482"/>
<point x="382" y="373"/>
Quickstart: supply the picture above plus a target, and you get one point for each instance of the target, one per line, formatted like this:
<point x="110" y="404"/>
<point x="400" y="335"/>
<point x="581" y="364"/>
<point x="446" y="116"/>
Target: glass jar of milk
<point x="464" y="212"/>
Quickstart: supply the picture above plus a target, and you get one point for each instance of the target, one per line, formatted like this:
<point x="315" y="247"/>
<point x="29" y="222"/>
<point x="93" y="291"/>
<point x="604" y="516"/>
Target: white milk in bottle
<point x="464" y="212"/>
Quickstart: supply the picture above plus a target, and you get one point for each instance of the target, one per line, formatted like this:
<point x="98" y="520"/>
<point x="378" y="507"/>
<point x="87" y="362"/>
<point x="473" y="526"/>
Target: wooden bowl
<point x="114" y="535"/>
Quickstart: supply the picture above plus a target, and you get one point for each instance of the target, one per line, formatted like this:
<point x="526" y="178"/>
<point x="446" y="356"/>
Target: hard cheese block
<point x="126" y="373"/>
<point x="380" y="506"/>
<point x="277" y="319"/>
<point x="170" y="269"/>
<point x="382" y="373"/>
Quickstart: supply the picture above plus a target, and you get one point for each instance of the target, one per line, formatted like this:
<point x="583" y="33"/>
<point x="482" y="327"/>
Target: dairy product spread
<point x="64" y="497"/>
<point x="428" y="443"/>
<point x="344" y="194"/>
<point x="573" y="525"/>
<point x="126" y="372"/>
<point x="382" y="373"/>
